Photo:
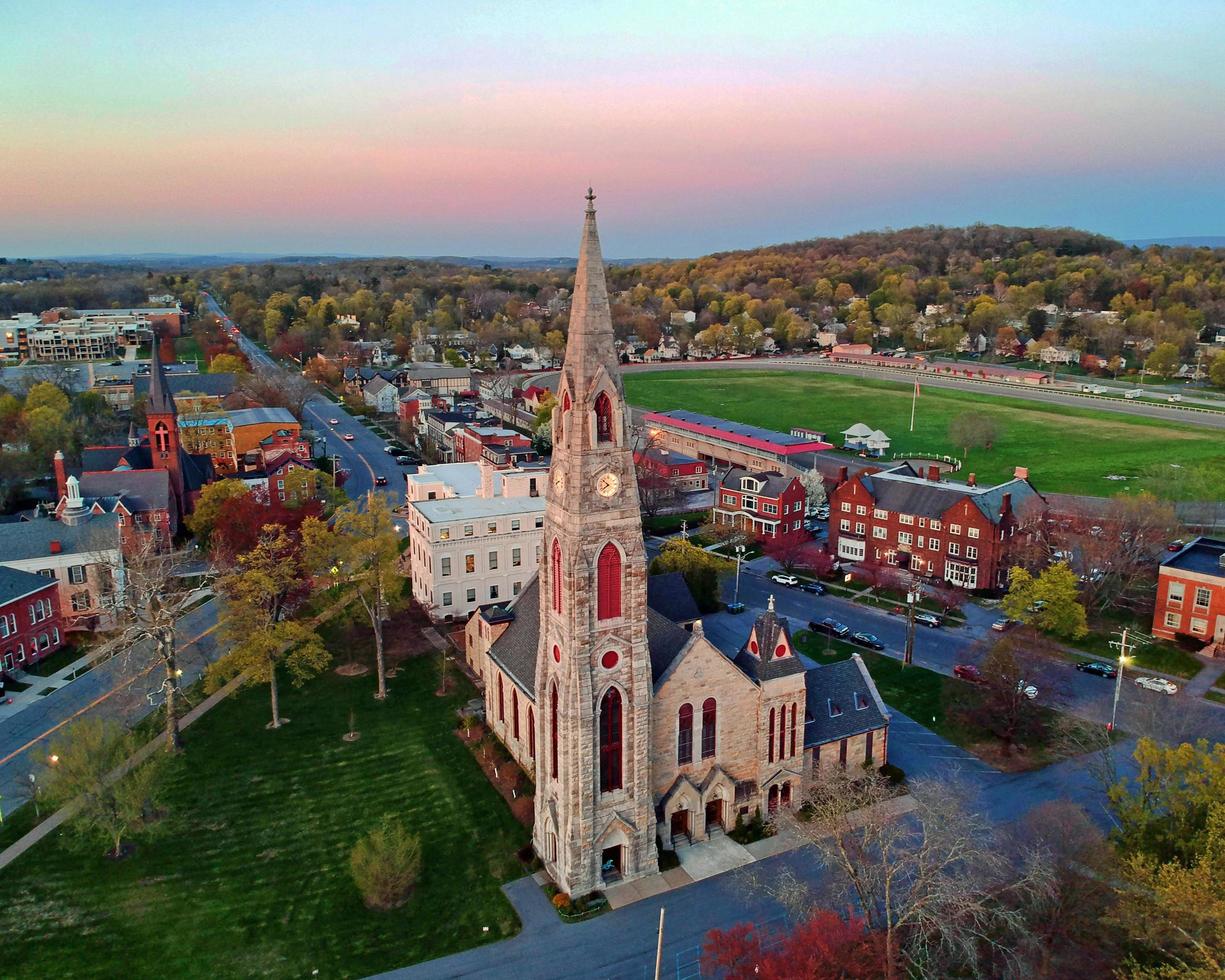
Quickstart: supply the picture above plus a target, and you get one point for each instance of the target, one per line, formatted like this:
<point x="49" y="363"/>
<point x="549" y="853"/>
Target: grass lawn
<point x="249" y="873"/>
<point x="187" y="349"/>
<point x="1067" y="450"/>
<point x="1215" y="695"/>
<point x="69" y="653"/>
<point x="670" y="523"/>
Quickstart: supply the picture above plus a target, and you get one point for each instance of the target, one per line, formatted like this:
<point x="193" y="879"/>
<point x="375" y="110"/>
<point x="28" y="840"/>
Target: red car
<point x="968" y="672"/>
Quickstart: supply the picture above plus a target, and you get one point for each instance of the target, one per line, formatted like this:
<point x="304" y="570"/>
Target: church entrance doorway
<point x="610" y="863"/>
<point x="714" y="815"/>
<point x="772" y="800"/>
<point x="680" y="823"/>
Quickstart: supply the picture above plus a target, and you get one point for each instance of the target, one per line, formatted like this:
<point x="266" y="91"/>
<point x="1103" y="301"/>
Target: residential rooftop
<point x="475" y="508"/>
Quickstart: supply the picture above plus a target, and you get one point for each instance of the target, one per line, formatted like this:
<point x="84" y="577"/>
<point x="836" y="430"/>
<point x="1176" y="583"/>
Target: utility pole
<point x="659" y="943"/>
<point x="912" y="596"/>
<point x="1118" y="680"/>
<point x="739" y="558"/>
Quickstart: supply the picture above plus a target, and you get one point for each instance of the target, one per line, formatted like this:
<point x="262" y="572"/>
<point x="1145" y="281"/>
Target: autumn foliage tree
<point x="824" y="946"/>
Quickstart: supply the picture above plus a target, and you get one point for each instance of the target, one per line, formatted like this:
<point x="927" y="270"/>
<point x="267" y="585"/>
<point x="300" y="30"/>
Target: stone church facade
<point x="638" y="732"/>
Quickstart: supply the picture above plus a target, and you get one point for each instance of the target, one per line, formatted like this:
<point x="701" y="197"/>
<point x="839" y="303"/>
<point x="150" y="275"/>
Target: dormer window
<point x="835" y="710"/>
<point x="860" y="702"/>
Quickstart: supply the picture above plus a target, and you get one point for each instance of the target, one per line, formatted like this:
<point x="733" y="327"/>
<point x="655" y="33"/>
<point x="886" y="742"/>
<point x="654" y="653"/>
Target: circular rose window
<point x="610" y="660"/>
<point x="557" y="654"/>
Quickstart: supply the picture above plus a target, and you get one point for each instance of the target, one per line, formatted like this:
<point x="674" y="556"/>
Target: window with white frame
<point x="922" y="522"/>
<point x="844" y="526"/>
<point x="905" y="537"/>
<point x="861" y="510"/>
<point x="905" y="519"/>
<point x="471" y="595"/>
<point x="972" y="532"/>
<point x="1172" y="620"/>
<point x="933" y="544"/>
<point x="444" y="534"/>
<point x="516" y="557"/>
<point x="846" y="507"/>
<point x="445" y="565"/>
<point x="467" y="530"/>
<point x="971" y="553"/>
<point x="516" y="524"/>
<point x="880" y="515"/>
<point x="880" y="531"/>
<point x="1203" y="596"/>
<point x="1199" y="627"/>
<point x="76" y="574"/>
<point x="447" y="598"/>
<point x="493" y="561"/>
<point x="935" y="524"/>
<point x="954" y="529"/>
<point x="954" y="549"/>
<point x="921" y="541"/>
<point x="729" y="500"/>
<point x="1176" y="593"/>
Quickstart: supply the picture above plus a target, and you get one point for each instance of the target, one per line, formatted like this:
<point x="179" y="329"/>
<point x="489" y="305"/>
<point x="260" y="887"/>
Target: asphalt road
<point x="363" y="456"/>
<point x="1061" y="685"/>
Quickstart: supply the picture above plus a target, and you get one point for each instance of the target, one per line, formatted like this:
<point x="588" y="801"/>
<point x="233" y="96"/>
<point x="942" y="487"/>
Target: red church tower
<point x="163" y="421"/>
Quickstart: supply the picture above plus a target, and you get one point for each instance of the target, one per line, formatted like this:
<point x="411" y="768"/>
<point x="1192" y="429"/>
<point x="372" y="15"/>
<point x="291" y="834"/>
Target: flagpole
<point x="914" y="400"/>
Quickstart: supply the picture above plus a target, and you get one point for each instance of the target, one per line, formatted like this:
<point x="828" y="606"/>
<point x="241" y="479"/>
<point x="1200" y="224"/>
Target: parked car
<point x="333" y="421"/>
<point x="735" y="607"/>
<point x="1098" y="668"/>
<point x="1176" y="545"/>
<point x="784" y="579"/>
<point x="348" y="437"/>
<point x="1159" y="684"/>
<point x="1135" y="393"/>
<point x="388" y="450"/>
<point x="1028" y="690"/>
<point x="1174" y="398"/>
<point x="380" y="481"/>
<point x="968" y="672"/>
<point x="816" y="588"/>
<point x="830" y="626"/>
<point x="867" y="640"/>
<point x="1036" y="606"/>
<point x="404" y="461"/>
<point x="928" y="619"/>
<point x="1000" y="625"/>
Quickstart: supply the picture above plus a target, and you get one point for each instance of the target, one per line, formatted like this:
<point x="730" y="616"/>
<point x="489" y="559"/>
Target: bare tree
<point x="934" y="880"/>
<point x="656" y="489"/>
<point x="1017" y="682"/>
<point x="152" y="589"/>
<point x="279" y="389"/>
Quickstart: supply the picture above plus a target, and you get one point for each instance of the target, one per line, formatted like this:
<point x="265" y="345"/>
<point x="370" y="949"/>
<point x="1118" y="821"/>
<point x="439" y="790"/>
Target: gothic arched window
<point x="684" y="734"/>
<point x="514" y="711"/>
<point x="792" y="729"/>
<point x="603" y="418"/>
<point x="553" y="732"/>
<point x="770" y="739"/>
<point x="161" y="436"/>
<point x="555" y="576"/>
<point x="610" y="741"/>
<point x="501" y="701"/>
<point x="531" y="733"/>
<point x="782" y="732"/>
<point x="608" y="575"/>
<point x="708" y="728"/>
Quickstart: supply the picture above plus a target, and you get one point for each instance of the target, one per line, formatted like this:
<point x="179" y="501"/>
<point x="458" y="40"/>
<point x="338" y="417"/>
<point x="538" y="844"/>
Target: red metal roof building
<point x="721" y="443"/>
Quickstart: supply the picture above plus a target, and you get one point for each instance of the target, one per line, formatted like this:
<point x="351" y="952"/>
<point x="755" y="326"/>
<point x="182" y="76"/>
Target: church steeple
<point x="594" y="803"/>
<point x="161" y="402"/>
<point x="163" y="422"/>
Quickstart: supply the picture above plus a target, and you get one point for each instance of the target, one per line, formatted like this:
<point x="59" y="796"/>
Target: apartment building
<point x="1191" y="594"/>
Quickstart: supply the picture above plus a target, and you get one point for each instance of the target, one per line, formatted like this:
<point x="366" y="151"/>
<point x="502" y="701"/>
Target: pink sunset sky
<point x="475" y="129"/>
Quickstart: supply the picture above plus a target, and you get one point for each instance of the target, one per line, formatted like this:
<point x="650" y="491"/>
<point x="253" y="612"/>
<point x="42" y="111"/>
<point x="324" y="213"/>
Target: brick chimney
<point x="61" y="475"/>
<point x="971" y="481"/>
<point x="842" y="472"/>
<point x="56" y="547"/>
<point x="1021" y="473"/>
<point x="933" y="474"/>
<point x="486" y="469"/>
<point x="1006" y="504"/>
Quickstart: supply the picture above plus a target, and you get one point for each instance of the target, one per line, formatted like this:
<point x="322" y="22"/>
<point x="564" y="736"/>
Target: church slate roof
<point x="216" y="385"/>
<point x="96" y="458"/>
<point x="141" y="490"/>
<point x="515" y="650"/>
<point x="769" y="628"/>
<point x="669" y="594"/>
<point x="847" y="689"/>
<point x="905" y="491"/>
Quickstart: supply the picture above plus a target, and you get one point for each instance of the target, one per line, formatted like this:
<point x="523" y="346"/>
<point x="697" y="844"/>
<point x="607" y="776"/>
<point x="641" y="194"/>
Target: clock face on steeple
<point x="559" y="480"/>
<point x="607" y="484"/>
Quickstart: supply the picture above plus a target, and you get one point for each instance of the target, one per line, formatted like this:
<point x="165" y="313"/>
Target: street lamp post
<point x="740" y="549"/>
<point x="1118" y="679"/>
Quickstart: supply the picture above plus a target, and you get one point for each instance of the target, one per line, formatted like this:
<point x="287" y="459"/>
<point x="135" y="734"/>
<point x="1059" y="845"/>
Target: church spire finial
<point x="770" y="605"/>
<point x="590" y="200"/>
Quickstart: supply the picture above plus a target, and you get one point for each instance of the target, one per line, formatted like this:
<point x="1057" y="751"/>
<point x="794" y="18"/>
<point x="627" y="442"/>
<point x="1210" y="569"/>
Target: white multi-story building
<point x="467" y="552"/>
<point x="474" y="534"/>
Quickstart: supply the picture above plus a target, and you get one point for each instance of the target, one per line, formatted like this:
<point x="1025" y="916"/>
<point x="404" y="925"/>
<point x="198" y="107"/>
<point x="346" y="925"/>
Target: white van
<point x="1132" y="394"/>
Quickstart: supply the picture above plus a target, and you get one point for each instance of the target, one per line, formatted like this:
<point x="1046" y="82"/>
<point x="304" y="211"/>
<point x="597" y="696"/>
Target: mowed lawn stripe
<point x="1067" y="450"/>
<point x="249" y="873"/>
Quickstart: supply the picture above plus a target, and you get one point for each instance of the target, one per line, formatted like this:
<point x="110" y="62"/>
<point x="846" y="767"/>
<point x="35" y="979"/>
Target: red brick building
<point x="961" y="533"/>
<point x="31" y="625"/>
<point x="766" y="505"/>
<point x="682" y="472"/>
<point x="1191" y="595"/>
<point x="470" y="441"/>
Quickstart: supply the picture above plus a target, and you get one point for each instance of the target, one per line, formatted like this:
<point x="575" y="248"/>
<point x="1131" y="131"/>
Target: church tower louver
<point x="595" y="818"/>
